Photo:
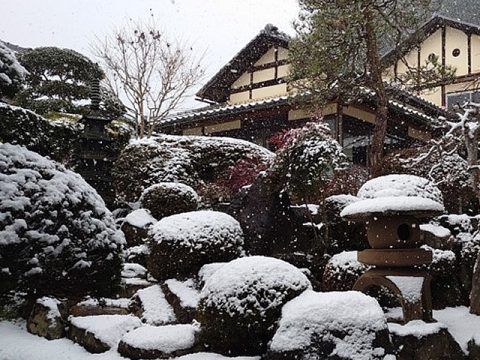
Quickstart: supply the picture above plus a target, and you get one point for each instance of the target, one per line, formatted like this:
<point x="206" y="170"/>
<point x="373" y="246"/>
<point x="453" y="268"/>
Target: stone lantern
<point x="393" y="207"/>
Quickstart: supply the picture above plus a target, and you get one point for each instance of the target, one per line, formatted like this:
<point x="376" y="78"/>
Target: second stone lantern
<point x="393" y="207"/>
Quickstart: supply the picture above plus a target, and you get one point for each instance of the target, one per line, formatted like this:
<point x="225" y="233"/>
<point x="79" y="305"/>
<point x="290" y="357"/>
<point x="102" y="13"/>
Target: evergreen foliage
<point x="12" y="74"/>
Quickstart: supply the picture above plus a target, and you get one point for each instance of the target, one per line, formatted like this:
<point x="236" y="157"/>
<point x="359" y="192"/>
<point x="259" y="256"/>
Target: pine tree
<point x="337" y="52"/>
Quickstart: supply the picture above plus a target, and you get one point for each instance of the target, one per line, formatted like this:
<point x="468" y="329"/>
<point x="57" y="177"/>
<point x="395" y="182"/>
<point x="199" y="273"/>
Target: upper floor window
<point x="460" y="98"/>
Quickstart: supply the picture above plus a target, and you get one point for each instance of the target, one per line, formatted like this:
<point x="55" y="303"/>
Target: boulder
<point x="100" y="333"/>
<point x="333" y="325"/>
<point x="421" y="341"/>
<point x="150" y="305"/>
<point x="180" y="244"/>
<point x="169" y="198"/>
<point x="129" y="286"/>
<point x="103" y="306"/>
<point x="240" y="304"/>
<point x="183" y="297"/>
<point x="158" y="342"/>
<point x="136" y="225"/>
<point x="137" y="254"/>
<point x="342" y="271"/>
<point x="46" y="319"/>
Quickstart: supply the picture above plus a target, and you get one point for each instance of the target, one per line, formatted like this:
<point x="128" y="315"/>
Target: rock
<point x="183" y="297"/>
<point x="150" y="305"/>
<point x="136" y="225"/>
<point x="46" y="319"/>
<point x="332" y="325"/>
<point x="132" y="270"/>
<point x="137" y="254"/>
<point x="129" y="286"/>
<point x="91" y="310"/>
<point x="240" y="304"/>
<point x="181" y="244"/>
<point x="342" y="271"/>
<point x="169" y="198"/>
<point x="473" y="350"/>
<point x="100" y="333"/>
<point x="418" y="340"/>
<point x="153" y="342"/>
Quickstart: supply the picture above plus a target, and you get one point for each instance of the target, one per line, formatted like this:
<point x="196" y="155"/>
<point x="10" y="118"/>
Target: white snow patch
<point x="213" y="356"/>
<point x="436" y="230"/>
<point x="140" y="218"/>
<point x="107" y="328"/>
<point x="322" y="314"/>
<point x="463" y="325"/>
<point x="157" y="311"/>
<point x="417" y="328"/>
<point x="409" y="286"/>
<point x="132" y="270"/>
<point x="120" y="302"/>
<point x="52" y="305"/>
<point x="185" y="291"/>
<point x="167" y="339"/>
<point x="206" y="271"/>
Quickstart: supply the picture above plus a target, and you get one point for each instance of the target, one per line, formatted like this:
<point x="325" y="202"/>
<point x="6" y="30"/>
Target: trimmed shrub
<point x="169" y="198"/>
<point x="181" y="244"/>
<point x="342" y="271"/>
<point x="56" y="235"/>
<point x="240" y="304"/>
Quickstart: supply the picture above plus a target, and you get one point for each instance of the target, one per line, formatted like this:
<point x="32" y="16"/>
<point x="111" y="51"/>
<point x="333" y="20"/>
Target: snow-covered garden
<point x="215" y="248"/>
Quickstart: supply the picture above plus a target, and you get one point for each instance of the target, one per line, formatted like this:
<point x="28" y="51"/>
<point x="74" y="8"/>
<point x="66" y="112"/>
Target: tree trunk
<point x="475" y="294"/>
<point x="381" y="116"/>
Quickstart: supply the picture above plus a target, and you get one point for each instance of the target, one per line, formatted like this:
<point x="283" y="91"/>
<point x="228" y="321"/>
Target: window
<point x="462" y="97"/>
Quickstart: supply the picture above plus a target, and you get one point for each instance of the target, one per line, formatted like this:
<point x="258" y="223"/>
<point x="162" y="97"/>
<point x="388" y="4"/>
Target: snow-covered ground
<point x="17" y="344"/>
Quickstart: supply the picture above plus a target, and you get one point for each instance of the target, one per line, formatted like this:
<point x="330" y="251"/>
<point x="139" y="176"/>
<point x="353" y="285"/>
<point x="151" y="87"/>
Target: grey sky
<point x="221" y="27"/>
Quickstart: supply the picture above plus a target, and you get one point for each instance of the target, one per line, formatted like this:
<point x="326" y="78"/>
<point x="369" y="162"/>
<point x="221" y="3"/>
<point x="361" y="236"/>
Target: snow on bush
<point x="396" y="193"/>
<point x="180" y="244"/>
<point x="192" y="160"/>
<point x="345" y="325"/>
<point x="169" y="198"/>
<point x="56" y="235"/>
<point x="342" y="271"/>
<point x="12" y="73"/>
<point x="240" y="303"/>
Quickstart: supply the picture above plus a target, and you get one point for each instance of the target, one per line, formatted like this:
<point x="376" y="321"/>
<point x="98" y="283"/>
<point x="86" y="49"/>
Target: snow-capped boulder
<point x="240" y="304"/>
<point x="153" y="342"/>
<point x="66" y="236"/>
<point x="180" y="244"/>
<point x="100" y="333"/>
<point x="342" y="271"/>
<point x="183" y="297"/>
<point x="136" y="225"/>
<point x="396" y="194"/>
<point x="46" y="319"/>
<point x="192" y="160"/>
<point x="150" y="305"/>
<point x="169" y="198"/>
<point x="333" y="325"/>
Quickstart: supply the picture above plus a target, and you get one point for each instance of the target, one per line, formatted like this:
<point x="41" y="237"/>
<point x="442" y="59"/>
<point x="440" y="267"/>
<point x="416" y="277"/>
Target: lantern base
<point x="411" y="286"/>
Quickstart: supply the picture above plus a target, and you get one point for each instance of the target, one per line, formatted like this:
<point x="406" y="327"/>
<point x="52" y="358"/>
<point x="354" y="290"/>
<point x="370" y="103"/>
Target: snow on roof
<point x="167" y="339"/>
<point x="229" y="288"/>
<point x="393" y="194"/>
<point x="314" y="314"/>
<point x="107" y="328"/>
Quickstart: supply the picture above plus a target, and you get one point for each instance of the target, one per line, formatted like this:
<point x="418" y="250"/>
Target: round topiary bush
<point x="181" y="244"/>
<point x="342" y="271"/>
<point x="240" y="304"/>
<point x="169" y="198"/>
<point x="56" y="235"/>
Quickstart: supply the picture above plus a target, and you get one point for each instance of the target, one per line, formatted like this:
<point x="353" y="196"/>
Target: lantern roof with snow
<point x="389" y="195"/>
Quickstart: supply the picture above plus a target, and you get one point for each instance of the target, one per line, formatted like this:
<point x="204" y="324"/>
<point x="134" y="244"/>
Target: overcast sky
<point x="220" y="27"/>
